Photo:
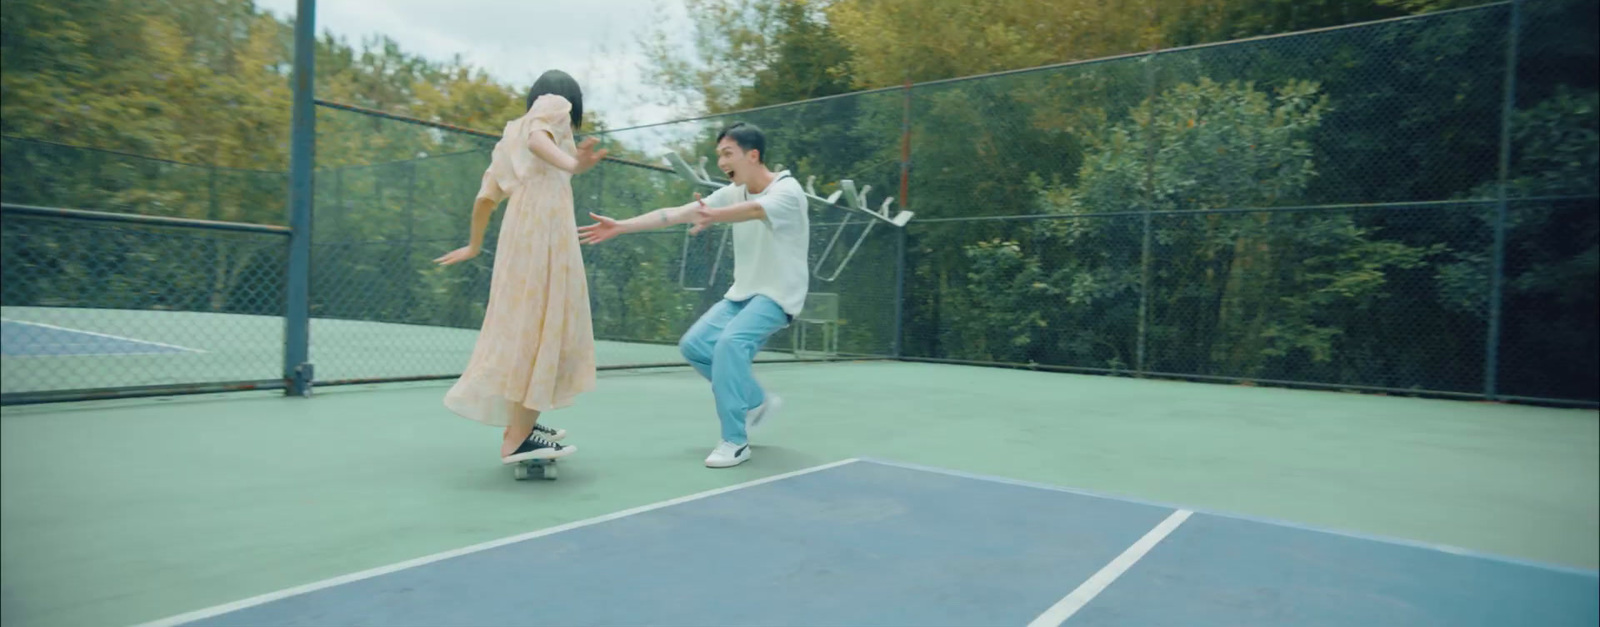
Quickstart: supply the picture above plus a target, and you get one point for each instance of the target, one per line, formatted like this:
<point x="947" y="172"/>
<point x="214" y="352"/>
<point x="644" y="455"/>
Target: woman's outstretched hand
<point x="588" y="156"/>
<point x="457" y="256"/>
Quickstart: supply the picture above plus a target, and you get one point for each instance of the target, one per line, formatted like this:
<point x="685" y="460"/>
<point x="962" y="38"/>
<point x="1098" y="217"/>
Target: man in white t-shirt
<point x="771" y="234"/>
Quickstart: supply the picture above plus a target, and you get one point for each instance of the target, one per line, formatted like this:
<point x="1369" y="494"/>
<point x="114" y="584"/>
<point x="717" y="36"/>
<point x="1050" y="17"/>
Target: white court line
<point x="1091" y="588"/>
<point x="105" y="335"/>
<point x="384" y="570"/>
<point x="1263" y="520"/>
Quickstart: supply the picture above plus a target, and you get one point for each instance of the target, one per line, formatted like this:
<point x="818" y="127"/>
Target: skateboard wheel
<point x="520" y="472"/>
<point x="550" y="472"/>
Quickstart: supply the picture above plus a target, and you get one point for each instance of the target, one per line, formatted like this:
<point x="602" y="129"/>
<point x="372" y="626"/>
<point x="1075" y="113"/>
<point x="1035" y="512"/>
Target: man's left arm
<point x="772" y="209"/>
<point x="705" y="215"/>
<point x="736" y="212"/>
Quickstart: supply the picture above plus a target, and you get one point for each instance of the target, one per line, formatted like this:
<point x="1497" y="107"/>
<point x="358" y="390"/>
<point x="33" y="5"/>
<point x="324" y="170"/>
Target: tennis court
<point x="39" y="339"/>
<point x="1391" y="207"/>
<point x="888" y="494"/>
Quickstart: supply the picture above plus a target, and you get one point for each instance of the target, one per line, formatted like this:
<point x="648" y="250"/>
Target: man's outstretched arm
<point x="703" y="216"/>
<point x="605" y="228"/>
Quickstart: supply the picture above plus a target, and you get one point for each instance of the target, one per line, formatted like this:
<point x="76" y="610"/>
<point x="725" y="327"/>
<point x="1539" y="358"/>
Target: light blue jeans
<point x="722" y="345"/>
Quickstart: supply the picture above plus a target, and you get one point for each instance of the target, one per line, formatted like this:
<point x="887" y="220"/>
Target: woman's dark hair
<point x="748" y="137"/>
<point x="561" y="84"/>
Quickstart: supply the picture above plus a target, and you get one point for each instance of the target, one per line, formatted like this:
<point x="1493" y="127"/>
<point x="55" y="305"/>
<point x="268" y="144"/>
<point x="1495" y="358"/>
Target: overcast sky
<point x="515" y="41"/>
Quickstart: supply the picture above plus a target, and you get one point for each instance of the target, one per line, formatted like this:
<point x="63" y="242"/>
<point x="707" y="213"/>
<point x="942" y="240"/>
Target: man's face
<point x="734" y="161"/>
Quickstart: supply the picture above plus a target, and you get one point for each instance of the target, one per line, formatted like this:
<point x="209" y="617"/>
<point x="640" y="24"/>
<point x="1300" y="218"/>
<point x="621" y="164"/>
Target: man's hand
<point x="603" y="229"/>
<point x="457" y="256"/>
<point x="588" y="156"/>
<point x="701" y="218"/>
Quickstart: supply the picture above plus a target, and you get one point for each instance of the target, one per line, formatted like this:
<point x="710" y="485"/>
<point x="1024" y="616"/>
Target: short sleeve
<point x="724" y="196"/>
<point x="489" y="189"/>
<point x="785" y="206"/>
<point x="513" y="160"/>
<point x="550" y="113"/>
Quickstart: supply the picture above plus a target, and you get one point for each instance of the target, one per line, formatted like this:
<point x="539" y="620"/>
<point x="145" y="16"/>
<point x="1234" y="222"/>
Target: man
<point x="771" y="235"/>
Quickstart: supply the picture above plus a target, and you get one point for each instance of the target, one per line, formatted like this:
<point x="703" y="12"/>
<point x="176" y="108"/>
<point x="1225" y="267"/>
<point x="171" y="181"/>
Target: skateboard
<point x="529" y="468"/>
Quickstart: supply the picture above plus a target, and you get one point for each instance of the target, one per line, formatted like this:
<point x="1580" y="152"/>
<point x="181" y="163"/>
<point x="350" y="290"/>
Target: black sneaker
<point x="536" y="447"/>
<point x="551" y="434"/>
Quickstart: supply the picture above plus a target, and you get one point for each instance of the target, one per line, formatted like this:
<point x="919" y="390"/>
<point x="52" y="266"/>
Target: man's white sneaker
<point x="754" y="418"/>
<point x="728" y="454"/>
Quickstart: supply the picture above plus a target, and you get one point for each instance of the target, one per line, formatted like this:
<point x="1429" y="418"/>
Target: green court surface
<point x="119" y="512"/>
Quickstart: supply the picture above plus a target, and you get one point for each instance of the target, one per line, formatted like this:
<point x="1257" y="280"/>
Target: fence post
<point x="213" y="208"/>
<point x="900" y="292"/>
<point x="1508" y="100"/>
<point x="1144" y="244"/>
<point x="411" y="204"/>
<point x="905" y="147"/>
<point x="900" y="234"/>
<point x="297" y="373"/>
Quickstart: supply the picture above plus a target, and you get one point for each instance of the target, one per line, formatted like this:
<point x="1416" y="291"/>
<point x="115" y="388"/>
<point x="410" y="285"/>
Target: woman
<point x="535" y="351"/>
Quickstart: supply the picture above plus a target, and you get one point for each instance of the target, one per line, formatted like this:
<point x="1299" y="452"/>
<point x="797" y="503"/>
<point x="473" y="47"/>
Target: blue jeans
<point x="722" y="345"/>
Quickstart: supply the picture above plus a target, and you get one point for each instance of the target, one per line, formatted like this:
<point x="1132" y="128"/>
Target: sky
<point x="516" y="40"/>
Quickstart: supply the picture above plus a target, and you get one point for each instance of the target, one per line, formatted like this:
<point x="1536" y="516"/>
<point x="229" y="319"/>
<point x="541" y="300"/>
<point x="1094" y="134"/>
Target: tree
<point x="1236" y="294"/>
<point x="732" y="41"/>
<point x="893" y="41"/>
<point x="1552" y="252"/>
<point x="808" y="61"/>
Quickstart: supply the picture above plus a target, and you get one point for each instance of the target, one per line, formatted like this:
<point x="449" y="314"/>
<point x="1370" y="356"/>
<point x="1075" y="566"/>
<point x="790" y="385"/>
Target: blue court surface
<point x="18" y="339"/>
<point x="876" y="543"/>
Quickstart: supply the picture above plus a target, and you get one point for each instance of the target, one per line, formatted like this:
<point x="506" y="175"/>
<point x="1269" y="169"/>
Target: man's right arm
<point x="660" y="218"/>
<point x="605" y="228"/>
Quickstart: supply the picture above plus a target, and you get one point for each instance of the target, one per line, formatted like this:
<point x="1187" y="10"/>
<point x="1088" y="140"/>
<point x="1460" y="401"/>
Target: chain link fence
<point x="159" y="287"/>
<point x="379" y="225"/>
<point x="1405" y="206"/>
<point x="47" y="174"/>
<point x="106" y="302"/>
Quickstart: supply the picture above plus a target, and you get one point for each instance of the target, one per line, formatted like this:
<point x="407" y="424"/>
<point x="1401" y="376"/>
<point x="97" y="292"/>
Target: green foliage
<point x="999" y="304"/>
<point x="1552" y="259"/>
<point x="1202" y="146"/>
<point x="809" y="60"/>
<point x="1235" y="289"/>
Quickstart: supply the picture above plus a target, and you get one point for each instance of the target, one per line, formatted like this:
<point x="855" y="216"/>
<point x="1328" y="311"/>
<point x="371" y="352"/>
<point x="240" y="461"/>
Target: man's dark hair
<point x="561" y="84"/>
<point x="748" y="136"/>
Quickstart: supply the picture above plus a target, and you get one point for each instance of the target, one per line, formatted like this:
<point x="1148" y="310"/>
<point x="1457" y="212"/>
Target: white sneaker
<point x="754" y="418"/>
<point x="550" y="434"/>
<point x="728" y="454"/>
<point x="536" y="447"/>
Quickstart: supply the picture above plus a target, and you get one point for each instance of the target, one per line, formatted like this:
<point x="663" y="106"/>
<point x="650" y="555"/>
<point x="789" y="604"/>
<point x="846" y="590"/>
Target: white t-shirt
<point x="770" y="256"/>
